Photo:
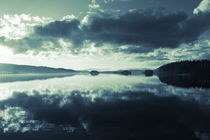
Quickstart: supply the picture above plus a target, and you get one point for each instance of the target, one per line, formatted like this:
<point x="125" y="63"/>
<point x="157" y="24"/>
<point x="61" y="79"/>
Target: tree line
<point x="181" y="67"/>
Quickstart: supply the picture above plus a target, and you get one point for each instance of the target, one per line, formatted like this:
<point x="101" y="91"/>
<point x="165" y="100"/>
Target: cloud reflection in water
<point x="104" y="107"/>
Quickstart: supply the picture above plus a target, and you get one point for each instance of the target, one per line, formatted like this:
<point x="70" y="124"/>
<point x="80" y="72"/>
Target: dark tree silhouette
<point x="186" y="74"/>
<point x="199" y="67"/>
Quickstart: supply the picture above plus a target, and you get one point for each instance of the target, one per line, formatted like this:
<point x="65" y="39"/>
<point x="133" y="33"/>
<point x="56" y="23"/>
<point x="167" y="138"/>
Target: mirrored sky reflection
<point x="112" y="106"/>
<point x="103" y="35"/>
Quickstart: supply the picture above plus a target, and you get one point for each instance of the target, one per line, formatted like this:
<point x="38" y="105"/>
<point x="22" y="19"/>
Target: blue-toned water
<point x="103" y="107"/>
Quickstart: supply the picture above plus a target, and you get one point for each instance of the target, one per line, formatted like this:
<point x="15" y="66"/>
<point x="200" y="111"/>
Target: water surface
<point x="102" y="107"/>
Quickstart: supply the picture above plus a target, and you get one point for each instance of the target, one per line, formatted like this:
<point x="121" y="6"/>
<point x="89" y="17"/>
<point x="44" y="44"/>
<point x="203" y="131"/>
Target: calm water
<point x="102" y="107"/>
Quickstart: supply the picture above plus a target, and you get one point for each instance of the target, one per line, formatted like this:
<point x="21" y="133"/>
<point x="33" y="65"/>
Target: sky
<point x="103" y="34"/>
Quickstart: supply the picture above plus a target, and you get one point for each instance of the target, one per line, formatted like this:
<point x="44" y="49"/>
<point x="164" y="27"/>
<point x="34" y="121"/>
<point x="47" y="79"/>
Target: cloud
<point x="146" y="29"/>
<point x="19" y="26"/>
<point x="141" y="31"/>
<point x="94" y="5"/>
<point x="204" y="6"/>
<point x="31" y="43"/>
<point x="196" y="51"/>
<point x="62" y="29"/>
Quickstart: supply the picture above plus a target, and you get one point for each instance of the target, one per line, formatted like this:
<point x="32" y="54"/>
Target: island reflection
<point x="106" y="106"/>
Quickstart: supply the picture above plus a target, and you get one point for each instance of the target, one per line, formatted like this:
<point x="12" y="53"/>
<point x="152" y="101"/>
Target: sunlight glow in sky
<point x="103" y="34"/>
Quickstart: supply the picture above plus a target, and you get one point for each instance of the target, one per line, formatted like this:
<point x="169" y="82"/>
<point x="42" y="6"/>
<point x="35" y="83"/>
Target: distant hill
<point x="199" y="67"/>
<point x="19" y="69"/>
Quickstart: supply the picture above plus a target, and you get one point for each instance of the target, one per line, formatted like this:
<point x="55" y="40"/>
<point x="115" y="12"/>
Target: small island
<point x="148" y="73"/>
<point x="94" y="73"/>
<point x="126" y="72"/>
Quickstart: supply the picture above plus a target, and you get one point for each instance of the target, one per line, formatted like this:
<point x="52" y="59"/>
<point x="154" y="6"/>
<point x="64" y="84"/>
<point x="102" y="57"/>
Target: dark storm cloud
<point x="59" y="28"/>
<point x="136" y="29"/>
<point x="62" y="29"/>
<point x="146" y="29"/>
<point x="140" y="116"/>
<point x="142" y="31"/>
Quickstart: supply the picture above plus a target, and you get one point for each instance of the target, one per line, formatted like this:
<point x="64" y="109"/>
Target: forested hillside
<point x="17" y="69"/>
<point x="186" y="67"/>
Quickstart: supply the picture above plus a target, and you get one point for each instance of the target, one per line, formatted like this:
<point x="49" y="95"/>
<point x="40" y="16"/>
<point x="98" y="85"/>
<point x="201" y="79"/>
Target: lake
<point x="106" y="106"/>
